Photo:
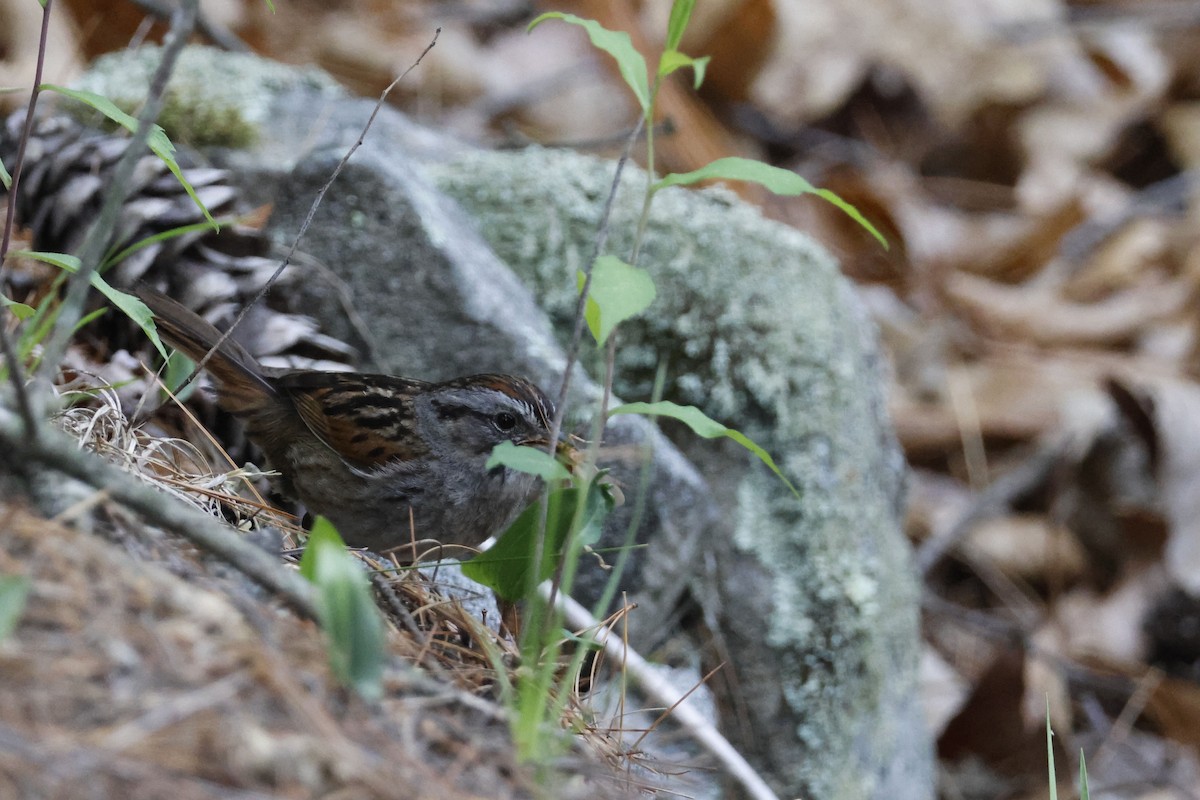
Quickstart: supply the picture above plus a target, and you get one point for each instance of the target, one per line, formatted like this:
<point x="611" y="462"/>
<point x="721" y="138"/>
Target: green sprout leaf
<point x="134" y="308"/>
<point x="527" y="459"/>
<point x="673" y="60"/>
<point x="505" y="567"/>
<point x="5" y="178"/>
<point x="159" y="142"/>
<point x="703" y="426"/>
<point x="14" y="591"/>
<point x="777" y="180"/>
<point x="21" y="310"/>
<point x="681" y="13"/>
<point x="619" y="291"/>
<point x="1084" y="793"/>
<point x="347" y="611"/>
<point x="618" y="45"/>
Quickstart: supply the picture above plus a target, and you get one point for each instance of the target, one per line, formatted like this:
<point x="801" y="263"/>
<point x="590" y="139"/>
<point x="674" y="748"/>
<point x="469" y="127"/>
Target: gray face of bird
<point x="464" y="422"/>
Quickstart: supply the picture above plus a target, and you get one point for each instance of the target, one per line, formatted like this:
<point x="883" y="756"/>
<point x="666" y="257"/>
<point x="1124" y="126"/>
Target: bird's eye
<point x="504" y="421"/>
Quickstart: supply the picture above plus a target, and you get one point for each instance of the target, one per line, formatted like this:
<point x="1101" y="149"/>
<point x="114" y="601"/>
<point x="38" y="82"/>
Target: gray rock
<point x="810" y="601"/>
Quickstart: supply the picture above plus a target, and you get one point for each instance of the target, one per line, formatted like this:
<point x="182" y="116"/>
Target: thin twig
<point x="312" y="211"/>
<point x="15" y="372"/>
<point x="581" y="302"/>
<point x="659" y="690"/>
<point x="219" y="35"/>
<point x="92" y="250"/>
<point x="997" y="496"/>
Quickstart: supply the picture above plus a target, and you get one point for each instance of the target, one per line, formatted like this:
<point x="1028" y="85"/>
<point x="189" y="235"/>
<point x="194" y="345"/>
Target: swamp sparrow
<point x="365" y="450"/>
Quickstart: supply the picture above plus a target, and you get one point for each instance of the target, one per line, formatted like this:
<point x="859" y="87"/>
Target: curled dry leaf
<point x="1177" y="419"/>
<point x="1027" y="546"/>
<point x="1039" y="314"/>
<point x="943" y="690"/>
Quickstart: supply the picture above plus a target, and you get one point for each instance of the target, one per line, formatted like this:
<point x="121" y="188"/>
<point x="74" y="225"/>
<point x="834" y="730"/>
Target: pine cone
<point x="66" y="172"/>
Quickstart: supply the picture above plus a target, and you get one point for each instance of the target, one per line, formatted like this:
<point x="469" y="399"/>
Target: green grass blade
<point x="1050" y="753"/>
<point x="347" y="610"/>
<point x="14" y="591"/>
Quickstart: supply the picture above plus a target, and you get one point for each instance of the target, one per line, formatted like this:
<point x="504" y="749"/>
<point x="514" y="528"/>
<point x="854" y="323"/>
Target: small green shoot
<point x="505" y="567"/>
<point x="159" y="142"/>
<point x="14" y="591"/>
<point x="5" y="178"/>
<point x="347" y="611"/>
<point x="20" y="310"/>
<point x="618" y="291"/>
<point x="704" y="426"/>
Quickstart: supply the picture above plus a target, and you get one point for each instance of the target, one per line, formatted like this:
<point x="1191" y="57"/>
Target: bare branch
<point x="15" y="373"/>
<point x="312" y="211"/>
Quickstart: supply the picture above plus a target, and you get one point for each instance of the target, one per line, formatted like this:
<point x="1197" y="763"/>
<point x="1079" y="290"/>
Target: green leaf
<point x="506" y="565"/>
<point x="527" y="459"/>
<point x="681" y="12"/>
<point x="347" y="611"/>
<point x="20" y="310"/>
<point x="1084" y="794"/>
<point x="14" y="591"/>
<point x="777" y="180"/>
<point x="159" y="142"/>
<point x="134" y="308"/>
<point x="618" y="45"/>
<point x="703" y="426"/>
<point x="673" y="60"/>
<point x="5" y="178"/>
<point x="619" y="291"/>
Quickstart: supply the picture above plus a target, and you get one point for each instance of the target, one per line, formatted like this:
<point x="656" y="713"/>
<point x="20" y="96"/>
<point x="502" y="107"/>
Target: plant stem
<point x="96" y="241"/>
<point x="15" y="372"/>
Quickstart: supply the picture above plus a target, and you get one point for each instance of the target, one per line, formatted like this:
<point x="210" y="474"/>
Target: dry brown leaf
<point x="954" y="53"/>
<point x="1177" y="418"/>
<point x="1027" y="546"/>
<point x="1108" y="626"/>
<point x="1041" y="315"/>
<point x="943" y="690"/>
<point x="1046" y="689"/>
<point x="1181" y="124"/>
<point x="1121" y="262"/>
<point x="1175" y="706"/>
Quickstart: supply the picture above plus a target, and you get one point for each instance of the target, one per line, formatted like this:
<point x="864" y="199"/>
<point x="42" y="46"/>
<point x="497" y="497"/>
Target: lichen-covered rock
<point x="809" y="600"/>
<point x="813" y="599"/>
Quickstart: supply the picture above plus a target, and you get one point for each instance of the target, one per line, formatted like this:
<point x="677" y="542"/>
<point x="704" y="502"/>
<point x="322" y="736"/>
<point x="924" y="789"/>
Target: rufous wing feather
<point x="365" y="419"/>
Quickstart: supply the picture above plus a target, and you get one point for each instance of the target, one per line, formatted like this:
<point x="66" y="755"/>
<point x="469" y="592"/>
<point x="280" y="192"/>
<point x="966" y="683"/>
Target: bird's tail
<point x="242" y="387"/>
